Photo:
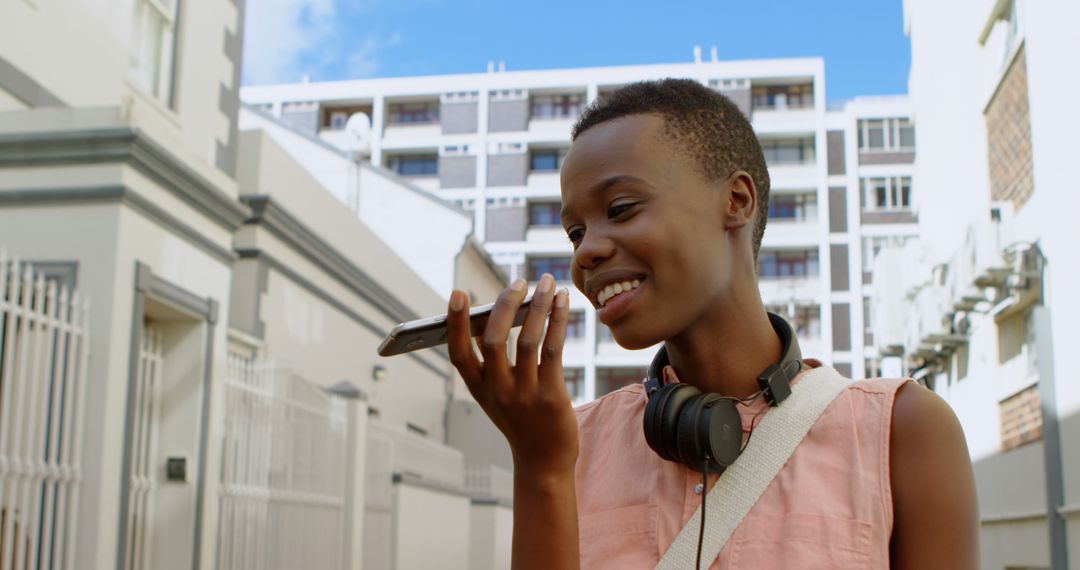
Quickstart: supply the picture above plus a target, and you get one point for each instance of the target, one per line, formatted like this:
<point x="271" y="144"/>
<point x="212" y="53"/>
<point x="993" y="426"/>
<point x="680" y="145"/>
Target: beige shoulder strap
<point x="739" y="487"/>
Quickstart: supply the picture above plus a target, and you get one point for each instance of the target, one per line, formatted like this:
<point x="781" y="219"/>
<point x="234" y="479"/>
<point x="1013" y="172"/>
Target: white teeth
<point x="610" y="291"/>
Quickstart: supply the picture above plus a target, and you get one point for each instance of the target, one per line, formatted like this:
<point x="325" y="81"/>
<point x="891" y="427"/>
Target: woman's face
<point x="644" y="221"/>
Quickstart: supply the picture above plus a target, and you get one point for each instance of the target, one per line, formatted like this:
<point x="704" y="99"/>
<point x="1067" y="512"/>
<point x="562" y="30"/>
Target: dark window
<point x="414" y="113"/>
<point x="558" y="267"/>
<point x="545" y="214"/>
<point x="557" y="106"/>
<point x="611" y="379"/>
<point x="788" y="151"/>
<point x="793" y="207"/>
<point x="415" y="165"/>
<point x="546" y="160"/>
<point x="575" y="325"/>
<point x="575" y="382"/>
<point x="805" y="318"/>
<point x="791" y="263"/>
<point x="783" y="96"/>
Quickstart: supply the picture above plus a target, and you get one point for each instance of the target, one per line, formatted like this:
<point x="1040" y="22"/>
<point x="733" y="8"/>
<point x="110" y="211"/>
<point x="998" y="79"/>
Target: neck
<point x="725" y="351"/>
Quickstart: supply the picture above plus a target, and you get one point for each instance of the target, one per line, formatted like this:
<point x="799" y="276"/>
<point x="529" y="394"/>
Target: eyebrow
<point x="608" y="183"/>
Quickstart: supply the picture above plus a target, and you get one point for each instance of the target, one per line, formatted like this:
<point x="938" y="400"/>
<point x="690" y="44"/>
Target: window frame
<point x="157" y="79"/>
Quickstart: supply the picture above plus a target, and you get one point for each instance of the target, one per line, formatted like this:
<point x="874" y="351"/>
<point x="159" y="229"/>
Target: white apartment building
<point x="493" y="143"/>
<point x="214" y="398"/>
<point x="987" y="299"/>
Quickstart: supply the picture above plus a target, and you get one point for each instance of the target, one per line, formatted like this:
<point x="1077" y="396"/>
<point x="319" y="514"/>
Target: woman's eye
<point x="575" y="234"/>
<point x="617" y="209"/>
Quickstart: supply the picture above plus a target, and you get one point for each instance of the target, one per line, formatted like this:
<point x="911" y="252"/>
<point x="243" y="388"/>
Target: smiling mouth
<point x="615" y="289"/>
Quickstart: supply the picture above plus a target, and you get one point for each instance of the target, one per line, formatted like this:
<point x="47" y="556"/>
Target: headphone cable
<point x="704" y="491"/>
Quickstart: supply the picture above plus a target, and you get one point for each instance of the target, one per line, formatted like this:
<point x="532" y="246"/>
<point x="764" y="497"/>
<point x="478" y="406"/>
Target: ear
<point x="742" y="200"/>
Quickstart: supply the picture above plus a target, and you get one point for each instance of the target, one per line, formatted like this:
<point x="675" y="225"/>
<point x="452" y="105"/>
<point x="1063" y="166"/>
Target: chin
<point x="636" y="340"/>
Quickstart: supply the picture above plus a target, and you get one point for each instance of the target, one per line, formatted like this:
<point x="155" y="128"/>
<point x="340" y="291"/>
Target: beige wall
<point x="432" y="529"/>
<point x="79" y="51"/>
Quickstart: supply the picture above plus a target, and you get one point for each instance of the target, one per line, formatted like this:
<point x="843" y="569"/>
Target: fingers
<point x="459" y="340"/>
<point x="532" y="330"/>
<point x="551" y="369"/>
<point x="493" y="341"/>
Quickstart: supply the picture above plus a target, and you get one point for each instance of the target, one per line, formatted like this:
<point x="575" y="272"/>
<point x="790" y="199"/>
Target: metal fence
<point x="44" y="347"/>
<point x="285" y="454"/>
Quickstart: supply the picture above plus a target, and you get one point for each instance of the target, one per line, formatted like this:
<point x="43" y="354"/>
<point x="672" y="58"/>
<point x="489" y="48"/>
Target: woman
<point x="665" y="195"/>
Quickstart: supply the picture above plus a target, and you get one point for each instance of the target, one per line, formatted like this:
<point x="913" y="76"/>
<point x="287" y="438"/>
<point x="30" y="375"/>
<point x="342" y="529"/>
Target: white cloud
<point x="287" y="39"/>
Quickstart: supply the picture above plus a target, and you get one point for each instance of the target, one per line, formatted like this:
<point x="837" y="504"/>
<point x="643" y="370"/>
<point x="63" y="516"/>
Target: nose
<point x="595" y="247"/>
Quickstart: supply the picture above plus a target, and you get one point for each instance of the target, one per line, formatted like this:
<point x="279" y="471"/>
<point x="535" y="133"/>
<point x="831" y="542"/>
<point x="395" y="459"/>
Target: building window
<point x="610" y="379"/>
<point x="892" y="193"/>
<point x="154" y="43"/>
<point x="775" y="264"/>
<point x="793" y="207"/>
<point x="886" y="135"/>
<point x="806" y="319"/>
<point x="335" y="118"/>
<point x="545" y="214"/>
<point x="549" y="160"/>
<point x="558" y="267"/>
<point x="575" y="382"/>
<point x="557" y="106"/>
<point x="415" y="164"/>
<point x="780" y="97"/>
<point x="421" y="113"/>
<point x="575" y="325"/>
<point x="788" y="151"/>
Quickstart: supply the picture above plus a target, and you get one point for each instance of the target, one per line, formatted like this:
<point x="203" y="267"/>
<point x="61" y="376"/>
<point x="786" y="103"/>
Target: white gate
<point x="44" y="345"/>
<point x="282" y="503"/>
<point x="143" y="445"/>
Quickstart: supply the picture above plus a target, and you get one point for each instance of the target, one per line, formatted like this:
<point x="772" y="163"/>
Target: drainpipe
<point x="1055" y="484"/>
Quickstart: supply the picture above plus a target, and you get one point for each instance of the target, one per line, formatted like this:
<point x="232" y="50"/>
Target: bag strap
<point x="741" y="485"/>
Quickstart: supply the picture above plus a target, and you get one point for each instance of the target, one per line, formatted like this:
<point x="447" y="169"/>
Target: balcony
<point x="783" y="290"/>
<point x="551" y="115"/>
<point x="411" y="123"/>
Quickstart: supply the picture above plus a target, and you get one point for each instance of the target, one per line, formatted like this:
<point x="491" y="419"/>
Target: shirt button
<point x="698" y="489"/>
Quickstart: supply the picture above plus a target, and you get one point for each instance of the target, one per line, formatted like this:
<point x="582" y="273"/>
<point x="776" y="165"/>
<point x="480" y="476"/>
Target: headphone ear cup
<point x="709" y="426"/>
<point x="689" y="440"/>
<point x="662" y="416"/>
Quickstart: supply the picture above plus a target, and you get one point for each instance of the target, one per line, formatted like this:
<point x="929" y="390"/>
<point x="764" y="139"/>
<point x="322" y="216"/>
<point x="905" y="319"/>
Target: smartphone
<point x="429" y="332"/>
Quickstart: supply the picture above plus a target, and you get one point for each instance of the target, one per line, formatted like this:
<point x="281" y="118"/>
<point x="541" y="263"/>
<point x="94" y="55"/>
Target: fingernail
<point x="457" y="301"/>
<point x="546" y="283"/>
<point x="518" y="285"/>
<point x="561" y="297"/>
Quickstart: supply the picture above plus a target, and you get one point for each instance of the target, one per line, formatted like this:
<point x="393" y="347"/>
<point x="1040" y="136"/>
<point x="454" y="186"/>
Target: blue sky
<point x="862" y="41"/>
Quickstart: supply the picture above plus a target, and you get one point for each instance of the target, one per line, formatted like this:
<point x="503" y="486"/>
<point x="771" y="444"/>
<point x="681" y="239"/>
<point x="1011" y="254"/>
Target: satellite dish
<point x="358" y="131"/>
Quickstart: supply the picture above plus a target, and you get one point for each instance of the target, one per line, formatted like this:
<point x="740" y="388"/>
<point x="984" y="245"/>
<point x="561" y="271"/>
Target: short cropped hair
<point x="701" y="122"/>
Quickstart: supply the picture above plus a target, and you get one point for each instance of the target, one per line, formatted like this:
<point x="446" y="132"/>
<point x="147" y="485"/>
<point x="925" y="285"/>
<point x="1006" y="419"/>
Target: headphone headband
<point x="775" y="380"/>
<point x="684" y="425"/>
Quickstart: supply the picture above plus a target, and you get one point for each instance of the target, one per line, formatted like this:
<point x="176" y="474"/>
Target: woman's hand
<point x="527" y="401"/>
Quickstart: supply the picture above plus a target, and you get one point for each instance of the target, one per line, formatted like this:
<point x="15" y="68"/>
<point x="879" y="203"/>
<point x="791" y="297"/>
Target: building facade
<point x="236" y="413"/>
<point x="987" y="297"/>
<point x="493" y="144"/>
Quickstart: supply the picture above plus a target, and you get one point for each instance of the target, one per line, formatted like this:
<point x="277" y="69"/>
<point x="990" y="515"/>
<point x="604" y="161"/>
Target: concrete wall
<point x="459" y="118"/>
<point x="457" y="171"/>
<point x="507" y="169"/>
<point x="509" y="115"/>
<point x="89" y="68"/>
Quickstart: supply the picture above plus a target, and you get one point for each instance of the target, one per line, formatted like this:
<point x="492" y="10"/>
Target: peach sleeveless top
<point x="830" y="507"/>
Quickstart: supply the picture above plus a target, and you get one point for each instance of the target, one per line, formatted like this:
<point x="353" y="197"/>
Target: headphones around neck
<point x="686" y="426"/>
